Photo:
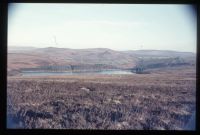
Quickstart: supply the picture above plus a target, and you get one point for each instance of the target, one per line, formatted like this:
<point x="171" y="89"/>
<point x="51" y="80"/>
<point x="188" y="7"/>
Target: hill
<point x="92" y="59"/>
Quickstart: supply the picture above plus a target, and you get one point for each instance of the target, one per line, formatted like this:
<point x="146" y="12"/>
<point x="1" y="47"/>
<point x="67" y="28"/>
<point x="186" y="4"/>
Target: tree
<point x="140" y="67"/>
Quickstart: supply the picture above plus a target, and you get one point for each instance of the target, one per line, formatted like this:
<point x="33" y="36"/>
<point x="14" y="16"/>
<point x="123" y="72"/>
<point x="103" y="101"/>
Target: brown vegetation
<point x="96" y="59"/>
<point x="164" y="99"/>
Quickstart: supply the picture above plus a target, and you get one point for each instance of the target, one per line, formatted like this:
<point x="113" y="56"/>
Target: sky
<point x="113" y="26"/>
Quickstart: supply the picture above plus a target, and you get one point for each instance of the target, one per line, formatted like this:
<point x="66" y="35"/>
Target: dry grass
<point x="164" y="99"/>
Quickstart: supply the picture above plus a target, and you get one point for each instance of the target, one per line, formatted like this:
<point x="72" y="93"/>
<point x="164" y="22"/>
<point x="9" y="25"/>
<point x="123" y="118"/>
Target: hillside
<point x="91" y="59"/>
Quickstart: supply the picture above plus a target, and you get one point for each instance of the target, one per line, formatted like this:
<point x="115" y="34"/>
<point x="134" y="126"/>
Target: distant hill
<point x="160" y="53"/>
<point x="97" y="58"/>
<point x="17" y="48"/>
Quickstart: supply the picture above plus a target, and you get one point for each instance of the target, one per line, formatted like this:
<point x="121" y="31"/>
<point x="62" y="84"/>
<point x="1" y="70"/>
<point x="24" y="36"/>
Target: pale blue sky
<point x="114" y="26"/>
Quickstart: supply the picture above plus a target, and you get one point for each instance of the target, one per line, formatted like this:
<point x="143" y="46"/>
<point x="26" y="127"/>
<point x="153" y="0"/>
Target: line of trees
<point x="150" y="63"/>
<point x="83" y="67"/>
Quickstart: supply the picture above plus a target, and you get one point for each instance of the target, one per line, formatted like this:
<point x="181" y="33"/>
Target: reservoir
<point x="46" y="73"/>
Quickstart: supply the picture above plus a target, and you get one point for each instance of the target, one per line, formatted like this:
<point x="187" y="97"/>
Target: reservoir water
<point x="39" y="73"/>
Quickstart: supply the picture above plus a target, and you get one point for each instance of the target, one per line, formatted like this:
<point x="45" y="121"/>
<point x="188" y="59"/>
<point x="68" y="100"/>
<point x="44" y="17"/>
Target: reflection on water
<point x="35" y="73"/>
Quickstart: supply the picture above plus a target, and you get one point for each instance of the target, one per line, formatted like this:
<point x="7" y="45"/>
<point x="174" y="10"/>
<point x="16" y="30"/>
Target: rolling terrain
<point x="63" y="59"/>
<point x="163" y="99"/>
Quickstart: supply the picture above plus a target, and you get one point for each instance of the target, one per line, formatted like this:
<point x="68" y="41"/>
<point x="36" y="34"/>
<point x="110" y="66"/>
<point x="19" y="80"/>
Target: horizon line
<point x="102" y="48"/>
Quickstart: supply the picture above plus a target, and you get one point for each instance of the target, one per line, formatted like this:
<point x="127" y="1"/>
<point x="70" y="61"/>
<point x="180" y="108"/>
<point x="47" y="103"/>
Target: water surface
<point x="38" y="73"/>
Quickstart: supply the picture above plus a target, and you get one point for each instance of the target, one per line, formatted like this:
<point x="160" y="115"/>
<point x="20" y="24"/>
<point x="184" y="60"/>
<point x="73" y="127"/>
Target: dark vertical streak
<point x="3" y="62"/>
<point x="197" y="68"/>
